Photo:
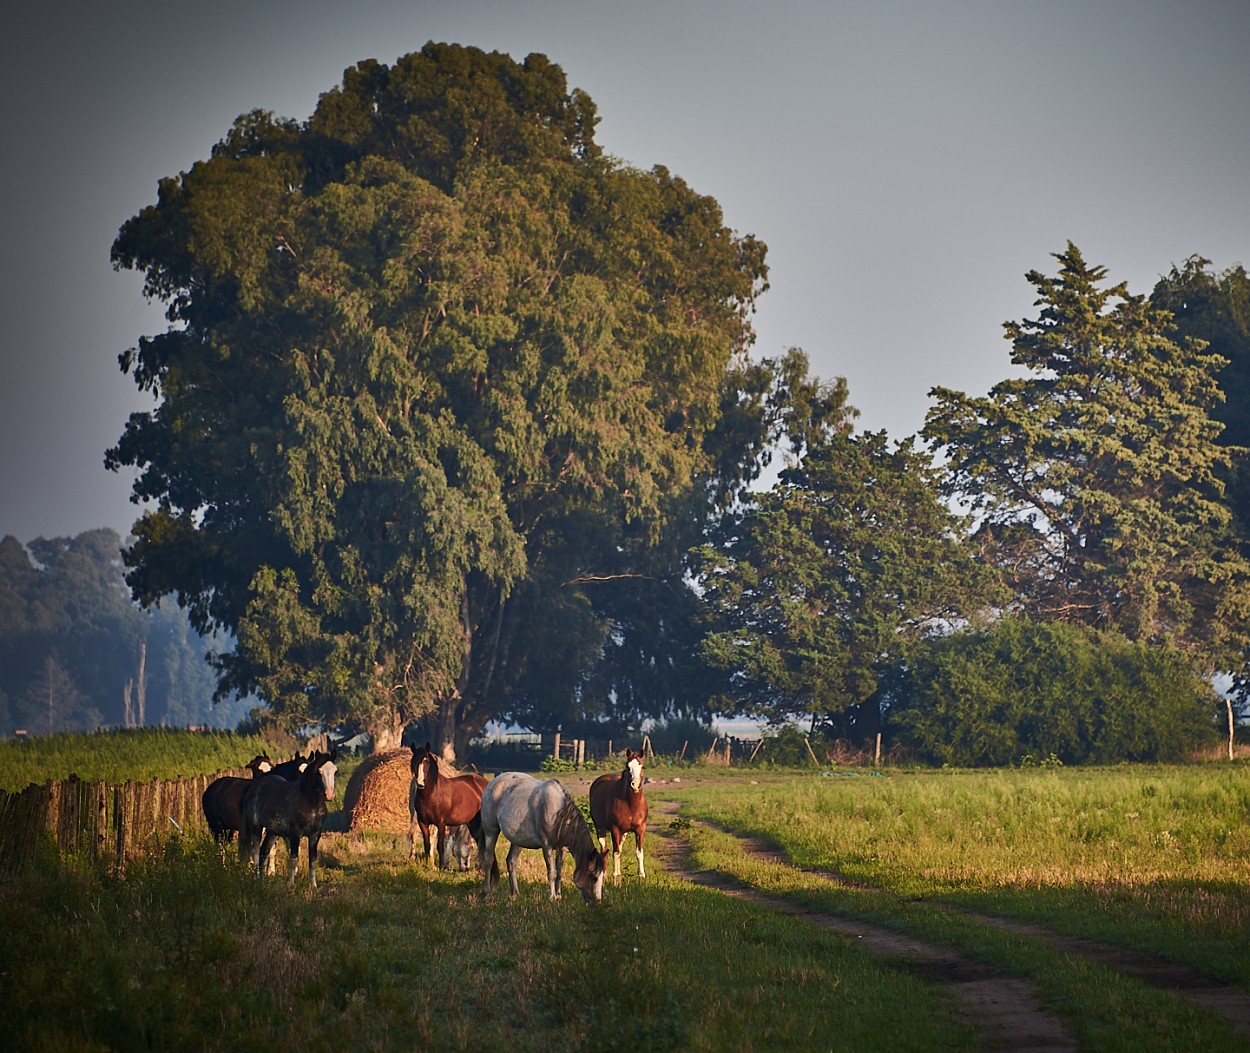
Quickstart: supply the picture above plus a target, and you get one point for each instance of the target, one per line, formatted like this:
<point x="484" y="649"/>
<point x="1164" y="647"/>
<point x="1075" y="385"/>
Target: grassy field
<point x="186" y="949"/>
<point x="1152" y="858"/>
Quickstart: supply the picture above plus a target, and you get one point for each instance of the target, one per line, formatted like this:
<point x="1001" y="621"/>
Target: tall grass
<point x="1150" y="857"/>
<point x="115" y="756"/>
<point x="1106" y="1009"/>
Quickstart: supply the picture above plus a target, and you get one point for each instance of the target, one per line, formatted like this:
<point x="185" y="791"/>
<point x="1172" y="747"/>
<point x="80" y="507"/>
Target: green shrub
<point x="1060" y="692"/>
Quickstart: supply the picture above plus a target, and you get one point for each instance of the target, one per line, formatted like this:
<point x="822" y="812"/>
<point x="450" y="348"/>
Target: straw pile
<point x="377" y="793"/>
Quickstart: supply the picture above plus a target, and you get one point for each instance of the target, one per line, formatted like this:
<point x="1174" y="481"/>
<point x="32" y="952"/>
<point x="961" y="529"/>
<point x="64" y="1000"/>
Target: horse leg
<point x="413" y="827"/>
<point x="490" y="865"/>
<point x="554" y="868"/>
<point x="425" y="839"/>
<point x="639" y="832"/>
<point x="292" y="845"/>
<point x="617" y="837"/>
<point x="443" y="862"/>
<point x="312" y="856"/>
<point x="262" y="854"/>
<point x="514" y="854"/>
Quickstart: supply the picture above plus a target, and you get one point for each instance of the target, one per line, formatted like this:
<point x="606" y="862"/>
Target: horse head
<point x="319" y="773"/>
<point x="633" y="770"/>
<point x="260" y="764"/>
<point x="424" y="766"/>
<point x="588" y="872"/>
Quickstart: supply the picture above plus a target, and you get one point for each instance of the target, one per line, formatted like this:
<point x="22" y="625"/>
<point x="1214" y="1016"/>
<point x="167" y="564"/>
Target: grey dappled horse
<point x="538" y="814"/>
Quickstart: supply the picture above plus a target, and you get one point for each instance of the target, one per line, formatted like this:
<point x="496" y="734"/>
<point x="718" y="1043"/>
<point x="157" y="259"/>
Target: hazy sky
<point x="905" y="162"/>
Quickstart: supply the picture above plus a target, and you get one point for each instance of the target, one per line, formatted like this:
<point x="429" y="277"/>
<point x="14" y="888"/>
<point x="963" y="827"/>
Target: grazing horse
<point x="536" y="814"/>
<point x="278" y="808"/>
<point x="461" y="845"/>
<point x="222" y="799"/>
<point x="439" y="801"/>
<point x="617" y="806"/>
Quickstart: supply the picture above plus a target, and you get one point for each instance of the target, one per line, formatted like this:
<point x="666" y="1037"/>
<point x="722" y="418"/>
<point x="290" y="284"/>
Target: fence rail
<point x="113" y="823"/>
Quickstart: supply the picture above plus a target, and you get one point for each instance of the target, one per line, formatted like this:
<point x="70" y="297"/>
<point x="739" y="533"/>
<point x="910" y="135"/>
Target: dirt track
<point x="1004" y="1009"/>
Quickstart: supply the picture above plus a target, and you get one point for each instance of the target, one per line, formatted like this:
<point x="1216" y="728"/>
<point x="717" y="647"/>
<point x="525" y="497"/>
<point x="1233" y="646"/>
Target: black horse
<point x="291" y="769"/>
<point x="274" y="807"/>
<point x="222" y="800"/>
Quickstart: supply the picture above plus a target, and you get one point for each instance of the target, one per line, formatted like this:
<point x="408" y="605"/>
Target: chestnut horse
<point x="617" y="806"/>
<point x="439" y="801"/>
<point x="222" y="799"/>
<point x="274" y="807"/>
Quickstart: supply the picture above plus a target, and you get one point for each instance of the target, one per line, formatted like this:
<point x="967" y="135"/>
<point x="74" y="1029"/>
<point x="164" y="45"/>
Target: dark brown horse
<point x="222" y="799"/>
<point x="274" y="807"/>
<point x="439" y="801"/>
<point x="617" y="806"/>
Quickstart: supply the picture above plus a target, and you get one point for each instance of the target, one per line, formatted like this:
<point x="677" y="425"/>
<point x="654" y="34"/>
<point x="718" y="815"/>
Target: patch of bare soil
<point x="1181" y="980"/>
<point x="1003" y="1009"/>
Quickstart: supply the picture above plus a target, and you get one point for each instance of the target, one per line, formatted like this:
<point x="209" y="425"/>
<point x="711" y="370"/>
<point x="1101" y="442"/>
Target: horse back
<point x="509" y="805"/>
<point x="222" y="802"/>
<point x="274" y="803"/>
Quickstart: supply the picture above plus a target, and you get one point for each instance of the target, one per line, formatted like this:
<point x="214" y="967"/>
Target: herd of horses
<point x="288" y="800"/>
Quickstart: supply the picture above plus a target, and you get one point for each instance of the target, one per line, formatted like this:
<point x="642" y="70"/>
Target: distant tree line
<point x="77" y="653"/>
<point x="457" y="422"/>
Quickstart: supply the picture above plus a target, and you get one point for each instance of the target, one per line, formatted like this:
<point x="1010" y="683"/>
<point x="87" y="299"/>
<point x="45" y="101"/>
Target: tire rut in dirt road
<point x="1178" y="979"/>
<point x="1004" y="1010"/>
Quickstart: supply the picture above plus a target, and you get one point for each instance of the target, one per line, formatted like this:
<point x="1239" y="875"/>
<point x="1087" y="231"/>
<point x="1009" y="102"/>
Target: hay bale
<point x="377" y="793"/>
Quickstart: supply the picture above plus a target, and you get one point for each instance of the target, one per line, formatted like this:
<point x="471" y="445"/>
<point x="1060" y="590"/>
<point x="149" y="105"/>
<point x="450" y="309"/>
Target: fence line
<point x="110" y="822"/>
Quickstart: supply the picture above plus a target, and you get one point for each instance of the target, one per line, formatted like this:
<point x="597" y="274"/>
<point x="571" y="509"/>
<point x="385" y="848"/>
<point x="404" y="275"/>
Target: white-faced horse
<point x="538" y="814"/>
<point x="617" y="806"/>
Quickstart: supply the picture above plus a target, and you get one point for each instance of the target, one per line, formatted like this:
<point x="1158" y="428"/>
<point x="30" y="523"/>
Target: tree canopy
<point x="831" y="574"/>
<point x="435" y="368"/>
<point x="1097" y="479"/>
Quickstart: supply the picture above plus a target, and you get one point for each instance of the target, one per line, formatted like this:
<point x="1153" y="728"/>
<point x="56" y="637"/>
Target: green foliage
<point x="1096" y="478"/>
<point x="556" y="765"/>
<point x="437" y="369"/>
<point x="851" y="555"/>
<point x="785" y="748"/>
<point x="1027" y="689"/>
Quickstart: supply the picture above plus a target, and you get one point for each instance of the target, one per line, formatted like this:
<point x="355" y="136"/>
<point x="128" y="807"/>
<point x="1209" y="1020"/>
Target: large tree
<point x="436" y="367"/>
<point x="830" y="575"/>
<point x="1097" y="477"/>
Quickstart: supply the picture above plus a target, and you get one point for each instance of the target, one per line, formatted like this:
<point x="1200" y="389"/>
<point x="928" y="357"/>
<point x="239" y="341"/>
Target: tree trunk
<point x="1229" y="703"/>
<point x="141" y="685"/>
<point x="446" y="726"/>
<point x="386" y="731"/>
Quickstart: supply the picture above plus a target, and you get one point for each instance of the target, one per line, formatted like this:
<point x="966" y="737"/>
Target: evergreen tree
<point x="1097" y="479"/>
<point x="829" y="577"/>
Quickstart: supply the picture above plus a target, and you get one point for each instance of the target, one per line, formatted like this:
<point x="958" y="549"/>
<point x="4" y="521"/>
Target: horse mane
<point x="570" y="829"/>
